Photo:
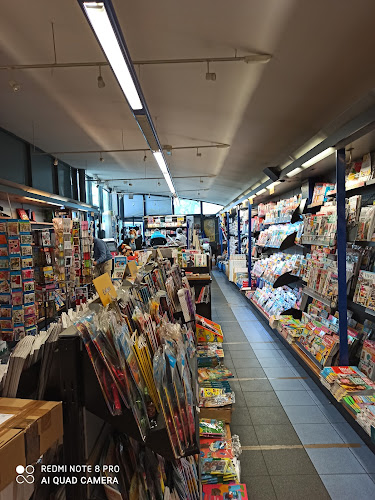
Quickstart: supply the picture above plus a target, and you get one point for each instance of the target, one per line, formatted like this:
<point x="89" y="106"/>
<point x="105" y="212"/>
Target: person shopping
<point x="102" y="258"/>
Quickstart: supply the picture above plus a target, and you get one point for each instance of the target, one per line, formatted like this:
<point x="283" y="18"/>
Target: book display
<point x="17" y="293"/>
<point x="166" y="225"/>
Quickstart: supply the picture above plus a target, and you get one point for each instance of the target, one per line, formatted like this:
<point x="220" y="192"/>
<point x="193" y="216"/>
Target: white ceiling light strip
<point x="164" y="168"/>
<point x="98" y="17"/>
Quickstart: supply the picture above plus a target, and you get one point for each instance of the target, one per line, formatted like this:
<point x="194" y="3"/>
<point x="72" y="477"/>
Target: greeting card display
<point x="17" y="305"/>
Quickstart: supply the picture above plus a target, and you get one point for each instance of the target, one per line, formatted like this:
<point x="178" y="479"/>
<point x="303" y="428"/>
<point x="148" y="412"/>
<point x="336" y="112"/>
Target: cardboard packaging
<point x="27" y="430"/>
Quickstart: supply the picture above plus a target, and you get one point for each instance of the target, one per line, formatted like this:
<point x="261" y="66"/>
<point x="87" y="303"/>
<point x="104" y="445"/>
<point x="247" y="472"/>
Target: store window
<point x="95" y="194"/>
<point x="105" y="200"/>
<point x="187" y="207"/>
<point x="210" y="208"/>
<point x="158" y="205"/>
<point x="133" y="207"/>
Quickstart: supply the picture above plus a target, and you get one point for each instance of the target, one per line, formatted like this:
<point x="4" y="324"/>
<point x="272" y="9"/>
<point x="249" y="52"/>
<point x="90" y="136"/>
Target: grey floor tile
<point x="309" y="384"/>
<point x="279" y="371"/>
<point x="259" y="487"/>
<point x="279" y="434"/>
<point x="263" y="352"/>
<point x="244" y="362"/>
<point x="319" y="397"/>
<point x="246" y="433"/>
<point x="251" y="372"/>
<point x="317" y="434"/>
<point x="295" y="398"/>
<point x="365" y="457"/>
<point x="332" y="414"/>
<point x="286" y="385"/>
<point x="297" y="487"/>
<point x="288" y="462"/>
<point x="255" y="399"/>
<point x="235" y="386"/>
<point x="240" y="347"/>
<point x="347" y="433"/>
<point x="349" y="486"/>
<point x="305" y="415"/>
<point x="273" y="362"/>
<point x="335" y="461"/>
<point x="268" y="415"/>
<point x="372" y="477"/>
<point x="252" y="464"/>
<point x="241" y="416"/>
<point x="240" y="400"/>
<point x="235" y="336"/>
<point x="255" y="385"/>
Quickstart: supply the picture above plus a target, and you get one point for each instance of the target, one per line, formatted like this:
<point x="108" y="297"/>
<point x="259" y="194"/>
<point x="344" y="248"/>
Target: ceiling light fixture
<point x="101" y="159"/>
<point x="55" y="162"/>
<point x="294" y="172"/>
<point x="319" y="157"/>
<point x="210" y="76"/>
<point x="106" y="33"/>
<point x="101" y="82"/>
<point x="165" y="171"/>
<point x="260" y="192"/>
<point x="198" y="153"/>
<point x="16" y="87"/>
<point x="273" y="185"/>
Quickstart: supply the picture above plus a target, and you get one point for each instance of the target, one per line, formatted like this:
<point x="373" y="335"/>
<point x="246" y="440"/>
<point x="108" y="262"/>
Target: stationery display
<point x="119" y="263"/>
<point x="273" y="236"/>
<point x="17" y="285"/>
<point x="279" y="212"/>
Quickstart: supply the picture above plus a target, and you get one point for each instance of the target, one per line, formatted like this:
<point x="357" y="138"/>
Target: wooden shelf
<point x="41" y="223"/>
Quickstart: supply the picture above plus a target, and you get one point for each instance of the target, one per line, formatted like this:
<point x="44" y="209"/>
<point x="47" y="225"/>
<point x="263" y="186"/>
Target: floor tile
<point x="259" y="488"/>
<point x="372" y="477"/>
<point x="283" y="434"/>
<point x="252" y="464"/>
<point x="317" y="434"/>
<point x="319" y="397"/>
<point x="268" y="415"/>
<point x="310" y="385"/>
<point x="255" y="399"/>
<point x="266" y="353"/>
<point x="297" y="487"/>
<point x="246" y="434"/>
<point x="365" y="457"/>
<point x="305" y="415"/>
<point x="240" y="347"/>
<point x="250" y="372"/>
<point x="286" y="385"/>
<point x="242" y="353"/>
<point x="240" y="399"/>
<point x="334" y="461"/>
<point x="255" y="385"/>
<point x="288" y="462"/>
<point x="279" y="371"/>
<point x="332" y="414"/>
<point x="295" y="398"/>
<point x="241" y="416"/>
<point x="245" y="362"/>
<point x="347" y="433"/>
<point x="290" y="358"/>
<point x="349" y="486"/>
<point x="273" y="362"/>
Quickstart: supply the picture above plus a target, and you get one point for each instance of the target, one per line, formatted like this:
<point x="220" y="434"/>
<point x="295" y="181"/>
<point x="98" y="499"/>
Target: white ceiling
<point x="322" y="53"/>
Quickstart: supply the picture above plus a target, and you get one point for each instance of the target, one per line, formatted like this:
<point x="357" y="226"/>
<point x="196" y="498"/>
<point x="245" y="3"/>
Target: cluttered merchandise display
<point x="142" y="346"/>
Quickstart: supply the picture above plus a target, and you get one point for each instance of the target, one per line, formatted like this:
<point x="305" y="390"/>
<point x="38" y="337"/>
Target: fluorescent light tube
<point x="274" y="184"/>
<point x="319" y="157"/>
<point x="163" y="167"/>
<point x="294" y="172"/>
<point x="102" y="27"/>
<point x="261" y="191"/>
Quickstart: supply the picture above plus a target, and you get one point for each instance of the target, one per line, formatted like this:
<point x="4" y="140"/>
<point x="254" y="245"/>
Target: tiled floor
<point x="296" y="445"/>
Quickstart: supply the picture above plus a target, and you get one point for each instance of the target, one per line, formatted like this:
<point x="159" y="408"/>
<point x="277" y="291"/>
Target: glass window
<point x="89" y="185"/>
<point x="211" y="208"/>
<point x="95" y="194"/>
<point x="158" y="205"/>
<point x="133" y="207"/>
<point x="105" y="200"/>
<point x="187" y="207"/>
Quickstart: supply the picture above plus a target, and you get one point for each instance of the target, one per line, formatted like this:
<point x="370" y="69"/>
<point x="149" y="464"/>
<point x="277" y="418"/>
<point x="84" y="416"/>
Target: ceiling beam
<point x="151" y="178"/>
<point x="248" y="59"/>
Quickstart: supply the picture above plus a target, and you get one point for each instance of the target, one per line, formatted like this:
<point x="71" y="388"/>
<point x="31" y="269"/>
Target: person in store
<point x="158" y="239"/>
<point x="102" y="258"/>
<point x="181" y="238"/>
<point x="132" y="235"/>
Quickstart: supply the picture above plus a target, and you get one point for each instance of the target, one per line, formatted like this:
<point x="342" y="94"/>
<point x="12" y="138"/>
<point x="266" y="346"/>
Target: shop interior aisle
<point x="296" y="445"/>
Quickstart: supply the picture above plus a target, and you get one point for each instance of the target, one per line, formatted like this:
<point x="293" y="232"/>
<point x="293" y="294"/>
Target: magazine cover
<point x="224" y="492"/>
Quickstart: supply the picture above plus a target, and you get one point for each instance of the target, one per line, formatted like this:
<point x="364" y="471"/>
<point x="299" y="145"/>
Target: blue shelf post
<point x="341" y="256"/>
<point x="249" y="248"/>
<point x="187" y="234"/>
<point x="239" y="228"/>
<point x="227" y="218"/>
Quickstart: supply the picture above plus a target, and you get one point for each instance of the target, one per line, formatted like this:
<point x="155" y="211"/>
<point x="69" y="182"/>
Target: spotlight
<point x="101" y="82"/>
<point x="159" y="183"/>
<point x="130" y="184"/>
<point x="16" y="87"/>
<point x="145" y="157"/>
<point x="101" y="159"/>
<point x="210" y="76"/>
<point x="55" y="162"/>
<point x="168" y="149"/>
<point x="198" y="153"/>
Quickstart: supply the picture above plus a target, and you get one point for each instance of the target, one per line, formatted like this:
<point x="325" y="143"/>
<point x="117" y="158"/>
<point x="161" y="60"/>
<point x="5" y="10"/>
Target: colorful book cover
<point x="224" y="492"/>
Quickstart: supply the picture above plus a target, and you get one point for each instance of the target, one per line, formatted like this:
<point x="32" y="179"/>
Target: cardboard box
<point x="41" y="423"/>
<point x="217" y="413"/>
<point x="12" y="453"/>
